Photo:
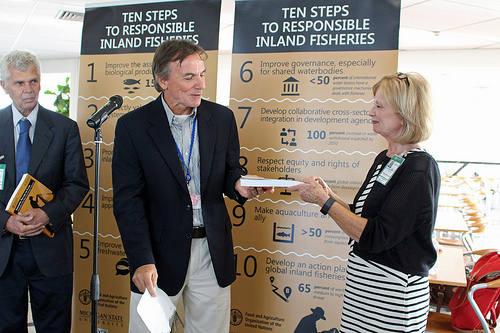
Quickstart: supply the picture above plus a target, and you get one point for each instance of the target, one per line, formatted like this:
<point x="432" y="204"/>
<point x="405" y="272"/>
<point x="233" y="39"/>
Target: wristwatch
<point x="326" y="207"/>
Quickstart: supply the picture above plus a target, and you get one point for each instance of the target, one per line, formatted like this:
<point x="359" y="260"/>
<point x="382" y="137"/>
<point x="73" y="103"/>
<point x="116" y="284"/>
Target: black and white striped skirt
<point x="380" y="299"/>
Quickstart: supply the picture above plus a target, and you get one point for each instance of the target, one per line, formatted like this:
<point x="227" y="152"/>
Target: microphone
<point x="100" y="116"/>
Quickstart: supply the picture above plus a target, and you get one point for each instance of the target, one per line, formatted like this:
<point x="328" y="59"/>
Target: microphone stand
<point x="95" y="121"/>
<point x="94" y="284"/>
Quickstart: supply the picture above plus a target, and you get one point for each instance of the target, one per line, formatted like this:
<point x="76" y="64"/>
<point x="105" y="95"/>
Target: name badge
<point x="2" y="175"/>
<point x="196" y="201"/>
<point x="389" y="170"/>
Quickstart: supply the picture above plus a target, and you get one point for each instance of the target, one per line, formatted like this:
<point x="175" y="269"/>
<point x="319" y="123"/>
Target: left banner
<point x="118" y="44"/>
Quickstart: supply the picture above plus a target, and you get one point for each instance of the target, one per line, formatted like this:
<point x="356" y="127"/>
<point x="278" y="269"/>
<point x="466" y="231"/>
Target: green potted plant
<point x="62" y="98"/>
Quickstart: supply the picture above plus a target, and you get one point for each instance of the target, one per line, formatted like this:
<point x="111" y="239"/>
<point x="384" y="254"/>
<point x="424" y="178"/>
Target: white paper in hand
<point x="156" y="312"/>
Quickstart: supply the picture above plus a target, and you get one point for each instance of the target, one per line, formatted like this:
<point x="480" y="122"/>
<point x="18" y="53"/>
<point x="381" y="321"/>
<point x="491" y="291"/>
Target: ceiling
<point x="425" y="25"/>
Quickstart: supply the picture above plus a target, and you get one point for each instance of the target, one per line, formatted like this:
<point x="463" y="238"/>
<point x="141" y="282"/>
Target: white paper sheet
<point x="156" y="312"/>
<point x="266" y="182"/>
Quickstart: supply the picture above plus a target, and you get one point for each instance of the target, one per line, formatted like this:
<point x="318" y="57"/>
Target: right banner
<point x="301" y="79"/>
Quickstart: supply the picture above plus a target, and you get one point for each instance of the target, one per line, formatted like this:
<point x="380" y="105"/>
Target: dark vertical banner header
<point x="315" y="25"/>
<point x="142" y="28"/>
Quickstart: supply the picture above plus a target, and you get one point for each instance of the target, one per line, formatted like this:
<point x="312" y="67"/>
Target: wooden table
<point x="452" y="190"/>
<point x="450" y="219"/>
<point x="450" y="268"/>
<point x="449" y="275"/>
<point x="446" y="200"/>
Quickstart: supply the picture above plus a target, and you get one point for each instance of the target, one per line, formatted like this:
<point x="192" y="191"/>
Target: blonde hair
<point x="410" y="96"/>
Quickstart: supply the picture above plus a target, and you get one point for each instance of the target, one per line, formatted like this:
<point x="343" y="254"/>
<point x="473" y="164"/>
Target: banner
<point x="118" y="44"/>
<point x="301" y="79"/>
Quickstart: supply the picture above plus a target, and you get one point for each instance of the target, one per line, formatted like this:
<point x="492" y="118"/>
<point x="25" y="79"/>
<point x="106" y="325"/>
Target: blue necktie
<point x="23" y="149"/>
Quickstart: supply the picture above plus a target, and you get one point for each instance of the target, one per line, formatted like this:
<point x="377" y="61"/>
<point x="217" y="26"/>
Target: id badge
<point x="2" y="175"/>
<point x="389" y="170"/>
<point x="196" y="201"/>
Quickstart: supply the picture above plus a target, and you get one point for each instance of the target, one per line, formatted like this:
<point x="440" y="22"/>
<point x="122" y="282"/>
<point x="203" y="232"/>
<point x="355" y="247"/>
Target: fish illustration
<point x="122" y="267"/>
<point x="131" y="81"/>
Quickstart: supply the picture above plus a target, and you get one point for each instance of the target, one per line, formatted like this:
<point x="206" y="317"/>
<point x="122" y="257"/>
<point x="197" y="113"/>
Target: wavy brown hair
<point x="171" y="51"/>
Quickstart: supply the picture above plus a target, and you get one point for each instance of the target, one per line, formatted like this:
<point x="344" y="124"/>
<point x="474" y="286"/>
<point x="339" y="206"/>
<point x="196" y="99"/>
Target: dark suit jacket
<point x="152" y="205"/>
<point x="56" y="161"/>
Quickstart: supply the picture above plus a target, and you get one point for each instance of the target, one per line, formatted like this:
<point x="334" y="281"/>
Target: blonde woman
<point x="392" y="218"/>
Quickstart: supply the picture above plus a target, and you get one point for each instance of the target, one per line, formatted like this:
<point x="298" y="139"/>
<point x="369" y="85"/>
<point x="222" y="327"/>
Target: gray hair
<point x="18" y="60"/>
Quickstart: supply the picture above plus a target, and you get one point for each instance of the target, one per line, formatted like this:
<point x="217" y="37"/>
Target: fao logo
<point x="84" y="297"/>
<point x="236" y="317"/>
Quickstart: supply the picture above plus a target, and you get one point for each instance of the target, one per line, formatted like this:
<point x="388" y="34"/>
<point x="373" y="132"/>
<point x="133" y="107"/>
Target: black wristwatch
<point x="326" y="207"/>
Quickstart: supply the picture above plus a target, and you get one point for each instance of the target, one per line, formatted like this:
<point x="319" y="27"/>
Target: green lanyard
<point x="391" y="167"/>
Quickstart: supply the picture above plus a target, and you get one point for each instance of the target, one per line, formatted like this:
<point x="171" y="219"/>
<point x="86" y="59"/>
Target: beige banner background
<point x="301" y="112"/>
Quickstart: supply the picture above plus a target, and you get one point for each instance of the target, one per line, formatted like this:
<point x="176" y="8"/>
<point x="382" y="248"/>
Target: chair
<point x="469" y="264"/>
<point x="470" y="296"/>
<point x="441" y="322"/>
<point x="476" y="224"/>
<point x="464" y="241"/>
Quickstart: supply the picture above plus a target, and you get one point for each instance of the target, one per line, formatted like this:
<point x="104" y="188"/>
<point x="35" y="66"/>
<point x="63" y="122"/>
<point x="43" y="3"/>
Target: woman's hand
<point x="314" y="190"/>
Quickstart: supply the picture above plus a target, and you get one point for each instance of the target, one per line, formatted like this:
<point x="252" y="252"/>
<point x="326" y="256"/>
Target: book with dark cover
<point x="30" y="193"/>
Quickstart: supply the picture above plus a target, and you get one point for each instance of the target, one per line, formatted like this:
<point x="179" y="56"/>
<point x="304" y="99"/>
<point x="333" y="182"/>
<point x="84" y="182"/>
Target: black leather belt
<point x="199" y="232"/>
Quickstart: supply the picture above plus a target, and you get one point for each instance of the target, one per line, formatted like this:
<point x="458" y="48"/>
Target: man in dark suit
<point x="173" y="161"/>
<point x="29" y="260"/>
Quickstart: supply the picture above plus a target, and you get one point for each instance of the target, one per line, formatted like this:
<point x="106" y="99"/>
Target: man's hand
<point x="251" y="192"/>
<point x="145" y="277"/>
<point x="27" y="224"/>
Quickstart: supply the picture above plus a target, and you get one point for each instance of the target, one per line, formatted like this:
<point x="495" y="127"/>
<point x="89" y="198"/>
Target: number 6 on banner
<point x="246" y="71"/>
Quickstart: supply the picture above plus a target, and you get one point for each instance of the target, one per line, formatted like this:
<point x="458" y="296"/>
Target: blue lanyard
<point x="188" y="176"/>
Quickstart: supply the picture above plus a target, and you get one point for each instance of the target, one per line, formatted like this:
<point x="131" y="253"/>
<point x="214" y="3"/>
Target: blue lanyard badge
<point x="389" y="170"/>
<point x="188" y="175"/>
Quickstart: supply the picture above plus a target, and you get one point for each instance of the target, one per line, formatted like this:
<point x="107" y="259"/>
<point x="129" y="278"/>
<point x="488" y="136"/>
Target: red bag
<point x="463" y="317"/>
